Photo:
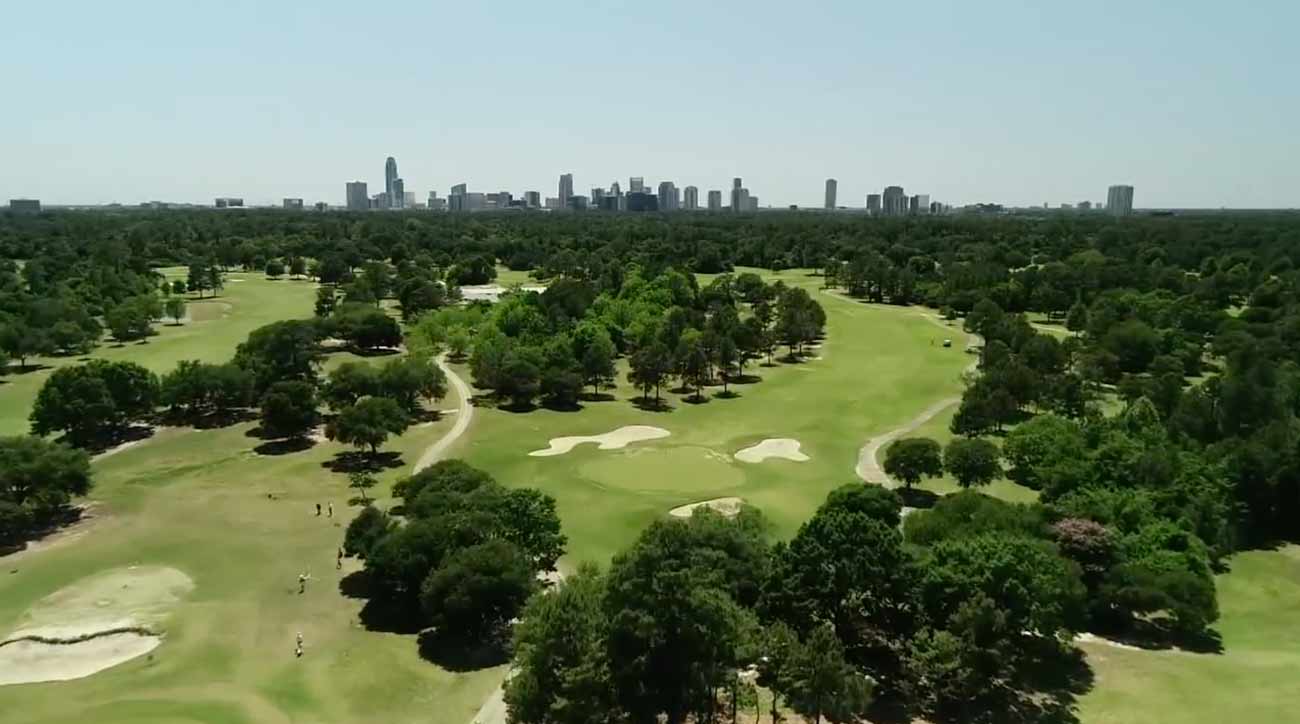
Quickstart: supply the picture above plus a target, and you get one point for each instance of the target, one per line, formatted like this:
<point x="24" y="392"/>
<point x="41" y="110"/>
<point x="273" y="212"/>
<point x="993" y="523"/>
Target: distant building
<point x="533" y="199"/>
<point x="598" y="198"/>
<point x="691" y="199"/>
<point x="25" y="206"/>
<point x="228" y="202"/>
<point x="322" y="206"/>
<point x="294" y="204"/>
<point x="832" y="186"/>
<point x="936" y="207"/>
<point x="873" y="204"/>
<point x="667" y="196"/>
<point x="577" y="203"/>
<point x="434" y="203"/>
<point x="636" y="184"/>
<point x="552" y="203"/>
<point x="408" y="199"/>
<point x="461" y="189"/>
<point x="358" y="199"/>
<point x="1084" y="206"/>
<point x="715" y="200"/>
<point x="642" y="201"/>
<point x="1119" y="200"/>
<point x="751" y="202"/>
<point x="894" y="201"/>
<point x="737" y="201"/>
<point x="390" y="180"/>
<point x="921" y="204"/>
<point x="396" y="196"/>
<point x="566" y="189"/>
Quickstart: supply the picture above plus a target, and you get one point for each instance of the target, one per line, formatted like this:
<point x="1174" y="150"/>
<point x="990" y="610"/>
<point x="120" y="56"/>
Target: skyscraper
<point x="921" y="204"/>
<point x="1119" y="200"/>
<point x="715" y="200"/>
<point x="737" y="204"/>
<point x="294" y="204"/>
<point x="397" y="194"/>
<point x="358" y="198"/>
<point x="533" y="199"/>
<point x="895" y="201"/>
<point x="873" y="204"/>
<point x="566" y="190"/>
<point x="635" y="184"/>
<point x="667" y="196"/>
<point x="691" y="199"/>
<point x="390" y="176"/>
<point x="831" y="187"/>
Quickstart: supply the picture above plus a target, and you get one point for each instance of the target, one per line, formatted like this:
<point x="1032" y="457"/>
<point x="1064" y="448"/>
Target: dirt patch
<point x="620" y="438"/>
<point x="91" y="625"/>
<point x="728" y="507"/>
<point x="779" y="447"/>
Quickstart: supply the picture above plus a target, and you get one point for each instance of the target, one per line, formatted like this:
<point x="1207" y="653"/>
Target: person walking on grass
<point x="318" y="510"/>
<point x="338" y="562"/>
<point x="331" y="509"/>
<point x="302" y="582"/>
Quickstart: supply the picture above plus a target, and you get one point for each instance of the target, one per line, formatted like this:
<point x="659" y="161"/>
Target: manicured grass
<point x="1254" y="679"/>
<point x="218" y="325"/>
<point x="507" y="277"/>
<point x="878" y="369"/>
<point x="197" y="501"/>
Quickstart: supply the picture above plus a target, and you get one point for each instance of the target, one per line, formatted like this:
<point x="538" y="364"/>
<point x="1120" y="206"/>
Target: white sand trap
<point x="774" y="447"/>
<point x="27" y="662"/>
<point x="728" y="507"/>
<point x="619" y="438"/>
<point x="83" y="628"/>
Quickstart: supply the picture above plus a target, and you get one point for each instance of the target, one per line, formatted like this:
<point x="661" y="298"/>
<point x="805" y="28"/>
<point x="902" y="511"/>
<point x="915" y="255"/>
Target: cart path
<point x="464" y="414"/>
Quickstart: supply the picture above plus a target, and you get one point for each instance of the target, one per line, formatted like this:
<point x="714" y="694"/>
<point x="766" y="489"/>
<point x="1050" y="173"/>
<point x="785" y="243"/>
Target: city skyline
<point x="784" y="99"/>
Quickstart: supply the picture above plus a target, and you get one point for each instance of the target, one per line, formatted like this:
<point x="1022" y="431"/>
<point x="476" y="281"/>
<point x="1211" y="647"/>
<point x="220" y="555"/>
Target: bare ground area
<point x="726" y="506"/>
<point x="783" y="447"/>
<point x="613" y="440"/>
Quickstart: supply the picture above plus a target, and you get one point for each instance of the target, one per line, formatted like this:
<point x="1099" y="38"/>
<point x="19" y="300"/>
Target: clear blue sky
<point x="1195" y="103"/>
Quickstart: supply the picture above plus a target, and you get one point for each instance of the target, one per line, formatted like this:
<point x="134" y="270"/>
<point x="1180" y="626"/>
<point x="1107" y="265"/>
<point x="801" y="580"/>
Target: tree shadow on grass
<point x="378" y="613"/>
<point x="373" y="351"/>
<point x="1043" y="689"/>
<point x="1157" y="634"/>
<point x="696" y="399"/>
<point x="596" y="397"/>
<point x="208" y="420"/>
<point x="561" y="405"/>
<point x="131" y="433"/>
<point x="14" y="369"/>
<point x="726" y="395"/>
<point x="917" y="498"/>
<point x="650" y="404"/>
<point x="45" y="527"/>
<point x="460" y="654"/>
<point x="353" y="461"/>
<point x="745" y="379"/>
<point x="284" y="447"/>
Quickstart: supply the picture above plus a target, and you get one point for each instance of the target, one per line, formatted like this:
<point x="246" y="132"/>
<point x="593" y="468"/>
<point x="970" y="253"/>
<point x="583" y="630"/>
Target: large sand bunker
<point x="728" y="507"/>
<point x="614" y="440"/>
<point x="91" y="625"/>
<point x="781" y="447"/>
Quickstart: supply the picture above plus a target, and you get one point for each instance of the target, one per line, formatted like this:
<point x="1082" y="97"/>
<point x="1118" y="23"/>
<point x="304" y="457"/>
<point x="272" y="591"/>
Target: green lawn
<point x="197" y="501"/>
<point x="1255" y="678"/>
<point x="878" y="369"/>
<point x="218" y="325"/>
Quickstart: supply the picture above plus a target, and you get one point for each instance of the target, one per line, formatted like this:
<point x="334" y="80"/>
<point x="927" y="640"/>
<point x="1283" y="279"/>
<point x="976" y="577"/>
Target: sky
<point x="1194" y="103"/>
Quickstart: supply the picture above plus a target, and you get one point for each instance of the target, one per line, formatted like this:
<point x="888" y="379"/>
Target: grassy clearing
<point x="217" y="325"/>
<point x="197" y="501"/>
<point x="879" y="367"/>
<point x="1253" y="680"/>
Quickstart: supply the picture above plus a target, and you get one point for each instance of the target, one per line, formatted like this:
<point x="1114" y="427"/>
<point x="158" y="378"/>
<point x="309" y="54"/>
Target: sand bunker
<point x="92" y="625"/>
<point x="779" y="447"/>
<point x="619" y="438"/>
<point x="728" y="507"/>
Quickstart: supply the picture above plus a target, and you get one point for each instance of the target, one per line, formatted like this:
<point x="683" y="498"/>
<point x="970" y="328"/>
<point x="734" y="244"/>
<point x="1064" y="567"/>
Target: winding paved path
<point x="464" y="414"/>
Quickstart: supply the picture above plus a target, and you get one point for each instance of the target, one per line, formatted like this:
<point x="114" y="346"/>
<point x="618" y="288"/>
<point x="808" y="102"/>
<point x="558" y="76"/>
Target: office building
<point x="641" y="201"/>
<point x="379" y="200"/>
<point x="936" y="208"/>
<point x="552" y="203"/>
<point x="620" y="202"/>
<point x="226" y="202"/>
<point x="436" y="204"/>
<point x="921" y="204"/>
<point x="322" y="206"/>
<point x="736" y="205"/>
<point x="715" y="200"/>
<point x="566" y="189"/>
<point x="691" y="199"/>
<point x="873" y="204"/>
<point x="751" y="202"/>
<point x="1119" y="200"/>
<point x="577" y="203"/>
<point x="25" y="206"/>
<point x="293" y="204"/>
<point x="397" y="194"/>
<point x="667" y="196"/>
<point x="598" y="198"/>
<point x="456" y="198"/>
<point x="636" y="184"/>
<point x="832" y="186"/>
<point x="533" y="199"/>
<point x="894" y="201"/>
<point x="390" y="176"/>
<point x="408" y="199"/>
<point x="358" y="198"/>
<point x="1084" y="206"/>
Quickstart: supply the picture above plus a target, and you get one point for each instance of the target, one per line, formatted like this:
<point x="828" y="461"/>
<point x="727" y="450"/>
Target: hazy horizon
<point x="139" y="101"/>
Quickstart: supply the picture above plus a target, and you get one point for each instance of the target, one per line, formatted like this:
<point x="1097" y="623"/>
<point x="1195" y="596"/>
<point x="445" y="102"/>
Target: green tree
<point x="289" y="410"/>
<point x="972" y="461"/>
<point x="41" y="476"/>
<point x="691" y="363"/>
<point x="477" y="589"/>
<point x="560" y="647"/>
<point x="350" y="382"/>
<point x="275" y="268"/>
<point x="818" y="682"/>
<point x="285" y="351"/>
<point x="365" y="530"/>
<point x="175" y="308"/>
<point x="369" y="422"/>
<point x="912" y="458"/>
<point x="94" y="401"/>
<point x="361" y="481"/>
<point x="22" y="341"/>
<point x="598" y="361"/>
<point x="410" y="380"/>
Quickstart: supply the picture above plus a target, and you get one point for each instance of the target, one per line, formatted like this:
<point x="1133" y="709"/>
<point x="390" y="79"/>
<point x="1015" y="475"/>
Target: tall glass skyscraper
<point x="390" y="175"/>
